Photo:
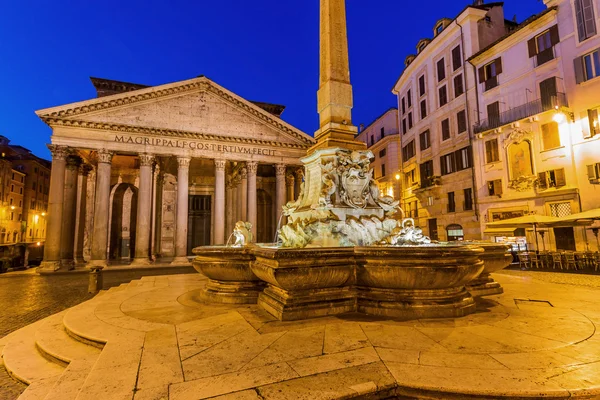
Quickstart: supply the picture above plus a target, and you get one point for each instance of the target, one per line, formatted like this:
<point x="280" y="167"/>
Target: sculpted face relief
<point x="193" y="145"/>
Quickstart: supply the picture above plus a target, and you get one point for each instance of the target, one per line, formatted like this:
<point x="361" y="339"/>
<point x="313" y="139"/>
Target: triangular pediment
<point x="198" y="106"/>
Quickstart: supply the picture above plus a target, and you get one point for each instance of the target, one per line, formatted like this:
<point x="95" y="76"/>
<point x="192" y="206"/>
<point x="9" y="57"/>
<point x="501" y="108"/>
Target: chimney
<point x="478" y="2"/>
<point x="361" y="128"/>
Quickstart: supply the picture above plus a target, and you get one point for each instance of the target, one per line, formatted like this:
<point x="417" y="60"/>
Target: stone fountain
<point x="345" y="247"/>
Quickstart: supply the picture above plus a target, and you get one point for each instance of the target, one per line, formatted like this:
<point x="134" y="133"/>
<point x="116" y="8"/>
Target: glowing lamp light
<point x="43" y="214"/>
<point x="397" y="177"/>
<point x="559" y="118"/>
<point x="39" y="243"/>
<point x="12" y="207"/>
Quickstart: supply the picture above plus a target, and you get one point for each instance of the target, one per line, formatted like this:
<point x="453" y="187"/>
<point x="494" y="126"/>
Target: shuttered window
<point x="586" y="24"/>
<point x="421" y="85"/>
<point x="587" y="67"/>
<point x="408" y="151"/>
<point x="594" y="123"/>
<point x="456" y="58"/>
<point x="443" y="96"/>
<point x="488" y="73"/>
<point x="593" y="172"/>
<point x="458" y="85"/>
<point x="409" y="98"/>
<point x="410" y="120"/>
<point x="446" y="129"/>
<point x="462" y="158"/>
<point x="491" y="151"/>
<point x="447" y="164"/>
<point x="553" y="178"/>
<point x="542" y="45"/>
<point x="468" y="194"/>
<point x="495" y="187"/>
<point x="423" y="108"/>
<point x="451" y="203"/>
<point x="461" y="121"/>
<point x="424" y="140"/>
<point x="550" y="136"/>
<point x="441" y="70"/>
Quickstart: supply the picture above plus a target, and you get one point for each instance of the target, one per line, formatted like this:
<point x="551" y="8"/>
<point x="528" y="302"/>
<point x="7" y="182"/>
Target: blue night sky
<point x="265" y="50"/>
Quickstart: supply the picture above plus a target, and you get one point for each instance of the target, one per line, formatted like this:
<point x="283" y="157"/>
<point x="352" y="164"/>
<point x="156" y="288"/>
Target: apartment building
<point x="381" y="137"/>
<point x="536" y="148"/>
<point x="435" y="107"/>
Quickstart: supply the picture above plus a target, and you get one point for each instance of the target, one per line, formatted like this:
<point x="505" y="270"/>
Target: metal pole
<point x="537" y="246"/>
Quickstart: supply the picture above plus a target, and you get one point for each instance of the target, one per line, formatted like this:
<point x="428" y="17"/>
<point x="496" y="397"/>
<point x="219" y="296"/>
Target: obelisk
<point x="334" y="98"/>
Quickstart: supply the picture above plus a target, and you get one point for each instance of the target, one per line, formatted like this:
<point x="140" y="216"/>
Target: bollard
<point x="95" y="280"/>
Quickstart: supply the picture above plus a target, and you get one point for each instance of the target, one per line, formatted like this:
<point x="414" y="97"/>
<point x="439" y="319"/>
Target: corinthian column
<point x="219" y="237"/>
<point x="182" y="211"/>
<point x="81" y="211"/>
<point x="144" y="211"/>
<point x="67" y="242"/>
<point x="252" y="167"/>
<point x="230" y="207"/>
<point x="289" y="186"/>
<point x="244" y="194"/>
<point x="279" y="192"/>
<point x="55" y="208"/>
<point x="101" y="208"/>
<point x="298" y="174"/>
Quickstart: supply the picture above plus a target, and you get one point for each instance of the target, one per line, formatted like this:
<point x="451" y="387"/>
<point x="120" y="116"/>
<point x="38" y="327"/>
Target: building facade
<point x="435" y="105"/>
<point x="535" y="148"/>
<point x="382" y="138"/>
<point x="152" y="172"/>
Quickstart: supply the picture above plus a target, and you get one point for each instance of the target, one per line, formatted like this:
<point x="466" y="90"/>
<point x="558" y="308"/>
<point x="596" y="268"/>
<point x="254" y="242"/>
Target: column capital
<point x="146" y="159"/>
<point x="252" y="167"/>
<point x="220" y="164"/>
<point x="84" y="169"/>
<point x="73" y="162"/>
<point x="243" y="173"/>
<point x="59" y="152"/>
<point x="184" y="162"/>
<point x="289" y="179"/>
<point x="229" y="182"/>
<point x="299" y="173"/>
<point x="105" y="156"/>
<point x="280" y="169"/>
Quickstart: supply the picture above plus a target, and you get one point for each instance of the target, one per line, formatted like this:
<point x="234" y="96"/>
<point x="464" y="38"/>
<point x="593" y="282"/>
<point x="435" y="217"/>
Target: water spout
<point x="276" y="238"/>
<point x="229" y="240"/>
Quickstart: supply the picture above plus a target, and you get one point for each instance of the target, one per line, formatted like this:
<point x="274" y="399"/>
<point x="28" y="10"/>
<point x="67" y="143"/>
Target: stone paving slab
<point x="538" y="339"/>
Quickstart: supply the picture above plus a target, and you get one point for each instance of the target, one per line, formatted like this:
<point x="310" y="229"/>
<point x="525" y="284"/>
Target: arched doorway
<point x="123" y="219"/>
<point x="455" y="232"/>
<point x="264" y="217"/>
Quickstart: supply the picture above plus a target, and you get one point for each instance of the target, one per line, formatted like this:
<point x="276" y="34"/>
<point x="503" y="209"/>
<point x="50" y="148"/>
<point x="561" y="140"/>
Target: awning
<point x="500" y="231"/>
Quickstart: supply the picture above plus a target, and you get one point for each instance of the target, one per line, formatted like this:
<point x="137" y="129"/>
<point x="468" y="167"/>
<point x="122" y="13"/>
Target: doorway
<point x="264" y="217"/>
<point x="565" y="239"/>
<point x="199" y="216"/>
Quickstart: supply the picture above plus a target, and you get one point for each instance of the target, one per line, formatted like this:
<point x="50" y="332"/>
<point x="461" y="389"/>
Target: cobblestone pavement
<point x="26" y="297"/>
<point x="578" y="278"/>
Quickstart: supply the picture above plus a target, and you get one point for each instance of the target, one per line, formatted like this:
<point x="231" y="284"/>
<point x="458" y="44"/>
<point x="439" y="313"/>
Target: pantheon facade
<point x="143" y="173"/>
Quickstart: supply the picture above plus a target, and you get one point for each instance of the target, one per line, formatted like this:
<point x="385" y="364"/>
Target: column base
<point x="48" y="266"/>
<point x="67" y="264"/>
<point x="96" y="264"/>
<point x="140" y="261"/>
<point x="309" y="303"/>
<point x="484" y="285"/>
<point x="181" y="261"/>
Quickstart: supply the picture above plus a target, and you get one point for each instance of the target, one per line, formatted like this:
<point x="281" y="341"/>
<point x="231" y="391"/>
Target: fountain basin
<point x="230" y="278"/>
<point x="496" y="257"/>
<point x="425" y="281"/>
<point x="305" y="283"/>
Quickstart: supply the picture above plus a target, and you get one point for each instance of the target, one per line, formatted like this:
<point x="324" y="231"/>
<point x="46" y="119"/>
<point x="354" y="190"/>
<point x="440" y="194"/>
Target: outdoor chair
<point x="570" y="261"/>
<point x="597" y="261"/>
<point x="557" y="261"/>
<point x="534" y="260"/>
<point x="524" y="261"/>
<point x="580" y="260"/>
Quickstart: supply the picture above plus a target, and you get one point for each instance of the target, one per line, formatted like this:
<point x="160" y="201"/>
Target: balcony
<point x="544" y="56"/>
<point x="521" y="112"/>
<point x="490" y="83"/>
<point x="431" y="181"/>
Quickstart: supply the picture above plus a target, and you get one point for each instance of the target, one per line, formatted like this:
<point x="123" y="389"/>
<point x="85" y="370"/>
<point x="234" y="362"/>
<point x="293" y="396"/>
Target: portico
<point x="171" y="167"/>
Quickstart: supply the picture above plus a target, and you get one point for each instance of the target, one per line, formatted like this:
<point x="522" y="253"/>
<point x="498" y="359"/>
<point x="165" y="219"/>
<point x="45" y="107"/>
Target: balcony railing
<point x="431" y="181"/>
<point x="490" y="83"/>
<point x="523" y="111"/>
<point x="545" y="56"/>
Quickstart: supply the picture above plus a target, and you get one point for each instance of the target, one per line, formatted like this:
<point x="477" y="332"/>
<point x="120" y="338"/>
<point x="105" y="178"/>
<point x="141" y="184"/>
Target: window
<point x="439" y="29"/>
<point x="552" y="178"/>
<point x="560" y="209"/>
<point x="424" y="140"/>
<point x="13" y="176"/>
<point x="11" y="201"/>
<point x="34" y="185"/>
<point x="586" y="24"/>
<point x="410" y="120"/>
<point x="491" y="151"/>
<point x="488" y="74"/>
<point x="423" y="108"/>
<point x="426" y="172"/>
<point x="461" y="121"/>
<point x="12" y="188"/>
<point x="592" y="128"/>
<point x="441" y="70"/>
<point x="20" y="190"/>
<point x="432" y="227"/>
<point x="493" y="111"/>
<point x="549" y="93"/>
<point x="495" y="187"/>
<point x="468" y="193"/>
<point x="382" y="153"/>
<point x="403" y="103"/>
<point x="593" y="171"/>
<point x="429" y="201"/>
<point x="451" y="203"/>
<point x="409" y="98"/>
<point x="455" y="233"/>
<point x="550" y="136"/>
<point x="372" y="142"/>
<point x="422" y="85"/>
<point x="443" y="96"/>
<point x="408" y="151"/>
<point x="456" y="58"/>
<point x="446" y="129"/>
<point x="382" y="169"/>
<point x="542" y="45"/>
<point x="382" y="131"/>
<point x="447" y="163"/>
<point x="404" y="130"/>
<point x="463" y="158"/>
<point x="458" y="85"/>
<point x="591" y="63"/>
<point x="12" y="216"/>
<point x="32" y="205"/>
<point x="409" y="178"/>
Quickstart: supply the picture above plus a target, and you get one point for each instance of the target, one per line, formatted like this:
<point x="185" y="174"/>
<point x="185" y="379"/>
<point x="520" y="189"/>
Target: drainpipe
<point x="469" y="125"/>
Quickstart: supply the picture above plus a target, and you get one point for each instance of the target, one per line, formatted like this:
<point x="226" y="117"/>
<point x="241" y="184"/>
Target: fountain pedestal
<point x="230" y="279"/>
<point x="305" y="283"/>
<point x="409" y="282"/>
<point x="495" y="258"/>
